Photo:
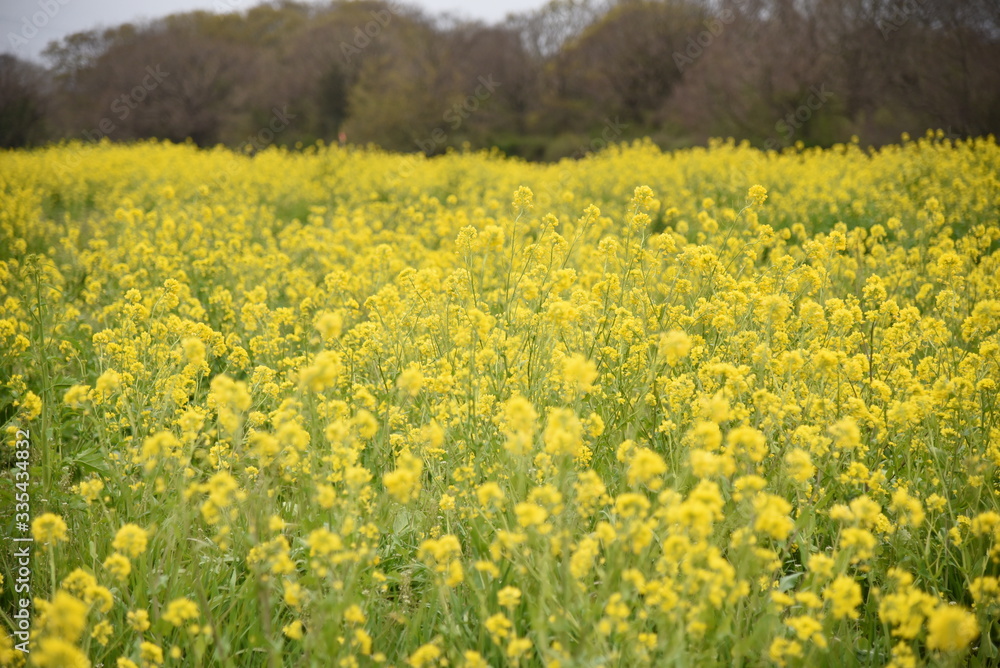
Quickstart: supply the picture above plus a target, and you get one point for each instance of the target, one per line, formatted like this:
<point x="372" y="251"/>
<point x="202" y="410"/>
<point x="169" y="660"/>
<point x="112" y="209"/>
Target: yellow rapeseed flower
<point x="49" y="528"/>
<point x="131" y="540"/>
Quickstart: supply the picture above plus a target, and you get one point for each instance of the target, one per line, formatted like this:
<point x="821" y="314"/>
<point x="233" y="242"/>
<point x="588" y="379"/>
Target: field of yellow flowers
<point x="339" y="407"/>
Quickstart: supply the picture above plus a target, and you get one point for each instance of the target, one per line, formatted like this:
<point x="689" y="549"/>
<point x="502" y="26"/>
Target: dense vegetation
<point x="563" y="80"/>
<point x="341" y="407"/>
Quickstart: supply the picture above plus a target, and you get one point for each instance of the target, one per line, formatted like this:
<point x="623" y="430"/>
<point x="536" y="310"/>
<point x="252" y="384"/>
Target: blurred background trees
<point x="541" y="85"/>
<point x="23" y="88"/>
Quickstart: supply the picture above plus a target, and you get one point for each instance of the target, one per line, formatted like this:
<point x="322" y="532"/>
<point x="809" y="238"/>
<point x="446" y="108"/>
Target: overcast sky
<point x="26" y="26"/>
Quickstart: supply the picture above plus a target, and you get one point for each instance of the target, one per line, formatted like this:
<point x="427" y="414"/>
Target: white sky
<point x="27" y="26"/>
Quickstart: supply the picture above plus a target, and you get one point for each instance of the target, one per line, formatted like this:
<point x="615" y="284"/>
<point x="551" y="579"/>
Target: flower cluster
<point x="312" y="406"/>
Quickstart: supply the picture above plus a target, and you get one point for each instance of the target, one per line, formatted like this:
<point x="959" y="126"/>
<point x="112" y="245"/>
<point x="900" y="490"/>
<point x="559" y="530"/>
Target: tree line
<point x="559" y="81"/>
